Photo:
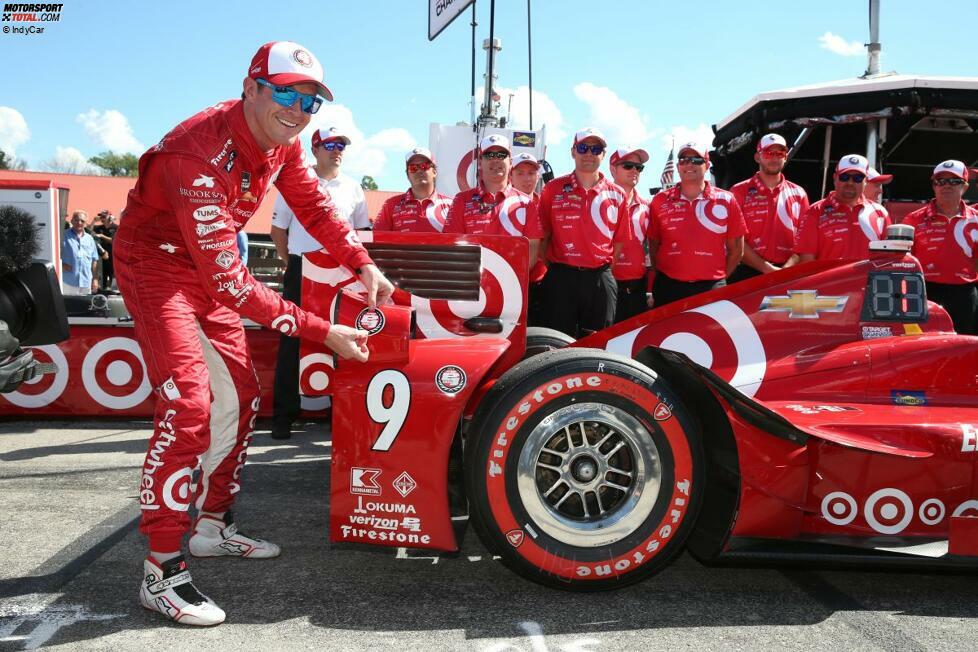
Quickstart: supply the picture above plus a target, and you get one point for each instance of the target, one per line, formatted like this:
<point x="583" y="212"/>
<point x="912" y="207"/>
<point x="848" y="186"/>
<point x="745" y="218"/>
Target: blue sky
<point x="119" y="75"/>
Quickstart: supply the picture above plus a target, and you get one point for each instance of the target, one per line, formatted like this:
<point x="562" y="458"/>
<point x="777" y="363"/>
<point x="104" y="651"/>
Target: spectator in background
<point x="841" y="226"/>
<point x="104" y="233"/>
<point x="772" y="207"/>
<point x="943" y="244"/>
<point x="421" y="209"/>
<point x="696" y="232"/>
<point x="579" y="212"/>
<point x="874" y="185"/>
<point x="79" y="256"/>
<point x="630" y="268"/>
<point x="291" y="242"/>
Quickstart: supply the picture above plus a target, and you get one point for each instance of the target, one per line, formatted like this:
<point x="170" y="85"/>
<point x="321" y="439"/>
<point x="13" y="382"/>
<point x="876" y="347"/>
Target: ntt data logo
<point x="27" y="16"/>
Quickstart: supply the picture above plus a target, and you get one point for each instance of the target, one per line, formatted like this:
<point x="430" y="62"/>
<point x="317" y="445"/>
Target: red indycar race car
<point x="823" y="412"/>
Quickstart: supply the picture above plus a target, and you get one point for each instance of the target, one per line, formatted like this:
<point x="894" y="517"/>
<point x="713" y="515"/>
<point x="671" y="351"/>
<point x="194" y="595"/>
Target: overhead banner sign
<point x="441" y="13"/>
<point x="454" y="149"/>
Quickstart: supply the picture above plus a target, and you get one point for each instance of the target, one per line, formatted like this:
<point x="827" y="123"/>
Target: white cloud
<point x="68" y="160"/>
<point x="366" y="154"/>
<point x="13" y="130"/>
<point x="545" y="111"/>
<point x="701" y="134"/>
<point x="110" y="130"/>
<point x="622" y="123"/>
<point x="838" y="45"/>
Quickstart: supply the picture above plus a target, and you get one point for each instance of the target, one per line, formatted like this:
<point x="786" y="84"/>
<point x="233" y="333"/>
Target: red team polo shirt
<point x="945" y="247"/>
<point x="509" y="212"/>
<point x="833" y="231"/>
<point x="771" y="216"/>
<point x="581" y="223"/>
<point x="630" y="264"/>
<point x="692" y="235"/>
<point x="406" y="213"/>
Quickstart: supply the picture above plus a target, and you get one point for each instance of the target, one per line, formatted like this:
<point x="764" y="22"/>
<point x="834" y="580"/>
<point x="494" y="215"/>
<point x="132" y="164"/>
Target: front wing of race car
<point x="840" y="482"/>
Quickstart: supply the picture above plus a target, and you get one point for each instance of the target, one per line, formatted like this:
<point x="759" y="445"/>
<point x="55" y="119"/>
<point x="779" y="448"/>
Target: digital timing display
<point x="895" y="296"/>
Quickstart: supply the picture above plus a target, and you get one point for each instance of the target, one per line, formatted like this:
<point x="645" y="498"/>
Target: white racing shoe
<point x="169" y="589"/>
<point x="214" y="537"/>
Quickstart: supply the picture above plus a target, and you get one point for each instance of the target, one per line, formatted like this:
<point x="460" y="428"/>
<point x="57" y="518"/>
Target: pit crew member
<point x="421" y="209"/>
<point x="630" y="268"/>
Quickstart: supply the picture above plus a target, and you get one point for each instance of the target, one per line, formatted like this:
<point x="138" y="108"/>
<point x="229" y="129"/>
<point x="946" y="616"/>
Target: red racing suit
<point x="184" y="284"/>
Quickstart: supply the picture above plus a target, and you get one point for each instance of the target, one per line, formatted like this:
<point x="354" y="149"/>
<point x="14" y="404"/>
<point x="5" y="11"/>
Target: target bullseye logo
<point x="285" y="324"/>
<point x="315" y="373"/>
<point x="839" y="508"/>
<point x="41" y="391"/>
<point x="437" y="212"/>
<point x="932" y="511"/>
<point x="110" y="368"/>
<point x="604" y="210"/>
<point x="371" y="320"/>
<point x="789" y="207"/>
<point x="712" y="215"/>
<point x="888" y="511"/>
<point x="177" y="490"/>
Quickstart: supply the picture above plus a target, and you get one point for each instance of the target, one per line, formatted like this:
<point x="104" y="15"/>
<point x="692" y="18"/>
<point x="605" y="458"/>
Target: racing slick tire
<point x="583" y="470"/>
<point x="540" y="339"/>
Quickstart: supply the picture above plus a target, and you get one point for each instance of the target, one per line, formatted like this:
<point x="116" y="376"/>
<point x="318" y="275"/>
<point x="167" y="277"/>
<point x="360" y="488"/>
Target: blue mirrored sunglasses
<point x="582" y="148"/>
<point x="330" y="146"/>
<point x="287" y="96"/>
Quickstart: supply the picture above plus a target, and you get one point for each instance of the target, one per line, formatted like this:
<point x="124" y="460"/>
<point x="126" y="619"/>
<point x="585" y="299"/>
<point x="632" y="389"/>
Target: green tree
<point x="368" y="183"/>
<point x="8" y="162"/>
<point x="4" y="162"/>
<point x="117" y="165"/>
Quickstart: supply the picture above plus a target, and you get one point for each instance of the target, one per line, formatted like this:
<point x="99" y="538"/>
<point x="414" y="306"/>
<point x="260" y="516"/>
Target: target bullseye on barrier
<point x="110" y="369"/>
<point x="41" y="391"/>
<point x="315" y="371"/>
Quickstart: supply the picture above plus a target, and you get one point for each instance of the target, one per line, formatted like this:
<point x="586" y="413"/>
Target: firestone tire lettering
<point x="541" y="391"/>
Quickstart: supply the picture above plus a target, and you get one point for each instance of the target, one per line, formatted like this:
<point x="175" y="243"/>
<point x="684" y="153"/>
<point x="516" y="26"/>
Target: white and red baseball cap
<point x="494" y="140"/>
<point x="520" y="159"/>
<point x="697" y="148"/>
<point x="771" y="140"/>
<point x="622" y="152"/>
<point x="329" y="135"/>
<point x="853" y="163"/>
<point x="284" y="63"/>
<point x="589" y="132"/>
<point x="951" y="166"/>
<point x="419" y="151"/>
<point x="874" y="176"/>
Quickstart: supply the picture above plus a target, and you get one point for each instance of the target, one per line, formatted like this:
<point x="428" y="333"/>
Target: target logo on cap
<point x="450" y="379"/>
<point x="371" y="320"/>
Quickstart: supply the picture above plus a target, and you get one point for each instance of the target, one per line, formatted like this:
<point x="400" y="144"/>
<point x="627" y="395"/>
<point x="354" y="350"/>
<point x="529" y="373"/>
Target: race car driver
<point x="421" y="209"/>
<point x="183" y="281"/>
<point x="944" y="243"/>
<point x="841" y="226"/>
<point x="772" y="206"/>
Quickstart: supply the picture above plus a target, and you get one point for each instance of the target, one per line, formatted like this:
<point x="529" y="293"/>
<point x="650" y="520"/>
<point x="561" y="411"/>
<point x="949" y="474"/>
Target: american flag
<point x="669" y="171"/>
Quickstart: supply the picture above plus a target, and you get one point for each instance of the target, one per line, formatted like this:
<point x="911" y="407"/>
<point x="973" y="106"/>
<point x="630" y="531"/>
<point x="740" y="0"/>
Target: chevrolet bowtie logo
<point x="804" y="304"/>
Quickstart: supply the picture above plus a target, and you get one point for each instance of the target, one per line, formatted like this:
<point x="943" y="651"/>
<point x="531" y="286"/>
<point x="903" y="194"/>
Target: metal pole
<point x="872" y="142"/>
<point x="874" y="36"/>
<point x="487" y="111"/>
<point x="472" y="95"/>
<point x="529" y="59"/>
<point x="826" y="153"/>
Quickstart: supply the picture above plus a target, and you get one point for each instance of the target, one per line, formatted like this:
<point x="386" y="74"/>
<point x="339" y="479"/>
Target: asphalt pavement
<point x="71" y="563"/>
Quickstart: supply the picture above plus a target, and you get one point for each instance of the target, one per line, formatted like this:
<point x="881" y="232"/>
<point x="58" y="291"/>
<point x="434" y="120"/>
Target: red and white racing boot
<point x="169" y="589"/>
<point x="214" y="537"/>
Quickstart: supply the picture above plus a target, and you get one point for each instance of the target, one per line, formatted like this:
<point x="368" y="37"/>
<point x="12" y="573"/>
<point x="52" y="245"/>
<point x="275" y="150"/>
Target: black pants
<point x="742" y="273"/>
<point x="285" y="398"/>
<point x="108" y="274"/>
<point x="579" y="301"/>
<point x="535" y="310"/>
<point x="665" y="290"/>
<point x="960" y="301"/>
<point x="631" y="299"/>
